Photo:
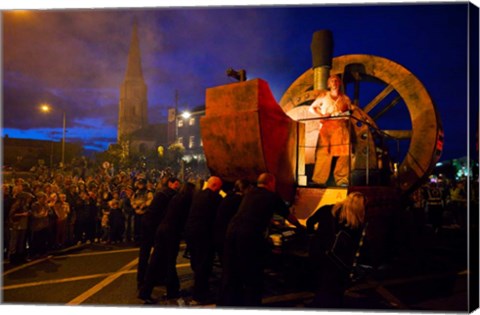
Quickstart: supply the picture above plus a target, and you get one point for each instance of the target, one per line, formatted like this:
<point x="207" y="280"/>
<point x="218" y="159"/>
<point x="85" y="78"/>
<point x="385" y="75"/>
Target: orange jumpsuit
<point x="333" y="139"/>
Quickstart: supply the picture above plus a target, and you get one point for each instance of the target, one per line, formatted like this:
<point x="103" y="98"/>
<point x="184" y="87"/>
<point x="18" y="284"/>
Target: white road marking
<point x="34" y="262"/>
<point x="79" y="278"/>
<point x="102" y="284"/>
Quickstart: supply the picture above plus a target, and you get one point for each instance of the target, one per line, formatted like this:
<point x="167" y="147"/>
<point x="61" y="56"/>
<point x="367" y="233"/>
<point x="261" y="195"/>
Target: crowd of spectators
<point x="443" y="202"/>
<point x="46" y="211"/>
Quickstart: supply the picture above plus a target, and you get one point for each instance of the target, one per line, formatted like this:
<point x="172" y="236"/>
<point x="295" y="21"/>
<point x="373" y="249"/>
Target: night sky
<point x="75" y="60"/>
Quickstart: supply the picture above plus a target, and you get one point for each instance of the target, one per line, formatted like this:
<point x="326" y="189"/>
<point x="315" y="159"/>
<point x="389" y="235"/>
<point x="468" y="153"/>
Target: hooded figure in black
<point x="150" y="221"/>
<point x="226" y="211"/>
<point x="200" y="236"/>
<point x="167" y="244"/>
<point x="246" y="244"/>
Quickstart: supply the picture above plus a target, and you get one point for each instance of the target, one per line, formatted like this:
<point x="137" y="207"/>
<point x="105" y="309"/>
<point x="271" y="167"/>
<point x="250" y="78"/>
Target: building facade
<point x="184" y="128"/>
<point x="23" y="154"/>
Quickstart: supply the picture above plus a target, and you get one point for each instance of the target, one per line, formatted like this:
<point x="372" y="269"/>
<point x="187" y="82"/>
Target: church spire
<point x="132" y="115"/>
<point x="134" y="65"/>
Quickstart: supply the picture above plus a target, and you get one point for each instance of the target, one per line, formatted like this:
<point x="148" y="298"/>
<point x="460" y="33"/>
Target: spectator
<point x="105" y="223"/>
<point x="347" y="216"/>
<point x="458" y="204"/>
<point x="71" y="198"/>
<point x="7" y="205"/>
<point x="85" y="223"/>
<point x="61" y="209"/>
<point x="140" y="201"/>
<point x="39" y="226"/>
<point x="417" y="206"/>
<point x="435" y="206"/>
<point x="116" y="221"/>
<point x="52" y="217"/>
<point x="18" y="223"/>
<point x="128" y="211"/>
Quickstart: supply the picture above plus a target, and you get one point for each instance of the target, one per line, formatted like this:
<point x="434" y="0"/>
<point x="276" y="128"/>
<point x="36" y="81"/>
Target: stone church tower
<point x="132" y="115"/>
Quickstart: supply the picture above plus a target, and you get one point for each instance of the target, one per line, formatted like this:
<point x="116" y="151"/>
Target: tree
<point x="112" y="155"/>
<point x="174" y="156"/>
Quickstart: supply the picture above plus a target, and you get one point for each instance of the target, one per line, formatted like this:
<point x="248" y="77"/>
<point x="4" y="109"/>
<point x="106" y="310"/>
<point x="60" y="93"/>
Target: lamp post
<point x="46" y="108"/>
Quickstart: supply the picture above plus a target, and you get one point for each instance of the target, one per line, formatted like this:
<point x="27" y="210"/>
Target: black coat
<point x="202" y="214"/>
<point x="158" y="207"/>
<point x="225" y="212"/>
<point x="176" y="215"/>
<point x="256" y="211"/>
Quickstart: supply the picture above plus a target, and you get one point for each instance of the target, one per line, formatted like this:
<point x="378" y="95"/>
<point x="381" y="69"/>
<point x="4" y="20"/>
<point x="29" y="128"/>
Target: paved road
<point x="106" y="275"/>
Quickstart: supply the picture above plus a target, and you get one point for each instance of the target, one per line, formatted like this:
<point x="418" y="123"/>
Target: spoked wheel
<point x="380" y="88"/>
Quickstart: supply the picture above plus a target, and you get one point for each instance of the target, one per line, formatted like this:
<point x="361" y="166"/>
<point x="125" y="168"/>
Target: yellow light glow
<point x="45" y="108"/>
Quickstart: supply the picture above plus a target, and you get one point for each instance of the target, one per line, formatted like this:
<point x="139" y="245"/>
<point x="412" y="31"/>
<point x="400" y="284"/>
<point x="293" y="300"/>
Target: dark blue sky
<point x="76" y="59"/>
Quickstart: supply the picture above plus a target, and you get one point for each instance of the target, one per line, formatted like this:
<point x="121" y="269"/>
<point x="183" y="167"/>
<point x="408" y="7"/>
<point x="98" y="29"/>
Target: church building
<point x="135" y="134"/>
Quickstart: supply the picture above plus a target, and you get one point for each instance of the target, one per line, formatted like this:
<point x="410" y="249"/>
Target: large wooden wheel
<point x="397" y="86"/>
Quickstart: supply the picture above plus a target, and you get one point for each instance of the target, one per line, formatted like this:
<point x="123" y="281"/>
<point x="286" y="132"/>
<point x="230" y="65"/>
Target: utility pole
<point x="176" y="116"/>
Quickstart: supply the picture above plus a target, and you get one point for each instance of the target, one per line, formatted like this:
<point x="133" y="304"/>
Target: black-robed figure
<point x="226" y="211"/>
<point x="150" y="221"/>
<point x="163" y="261"/>
<point x="246" y="244"/>
<point x="199" y="236"/>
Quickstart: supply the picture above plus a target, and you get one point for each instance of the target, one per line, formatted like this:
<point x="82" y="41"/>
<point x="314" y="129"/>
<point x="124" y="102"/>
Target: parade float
<point x="245" y="132"/>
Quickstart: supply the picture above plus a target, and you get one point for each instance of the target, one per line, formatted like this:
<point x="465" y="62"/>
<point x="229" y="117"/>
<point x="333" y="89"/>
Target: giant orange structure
<point x="246" y="132"/>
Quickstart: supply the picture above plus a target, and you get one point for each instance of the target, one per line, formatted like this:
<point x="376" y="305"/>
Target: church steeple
<point x="134" y="65"/>
<point x="132" y="114"/>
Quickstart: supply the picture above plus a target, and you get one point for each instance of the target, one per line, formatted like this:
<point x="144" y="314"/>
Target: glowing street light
<point x="186" y="115"/>
<point x="183" y="116"/>
<point x="46" y="108"/>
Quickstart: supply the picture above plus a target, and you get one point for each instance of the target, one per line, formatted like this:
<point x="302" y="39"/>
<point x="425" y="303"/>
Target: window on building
<point x="191" y="122"/>
<point x="191" y="142"/>
<point x="180" y="123"/>
<point x="201" y="142"/>
<point x="180" y="140"/>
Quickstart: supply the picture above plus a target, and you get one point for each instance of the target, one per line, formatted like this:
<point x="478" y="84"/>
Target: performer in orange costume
<point x="333" y="137"/>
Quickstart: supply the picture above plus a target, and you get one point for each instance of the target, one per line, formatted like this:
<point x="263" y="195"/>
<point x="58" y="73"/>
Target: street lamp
<point x="46" y="108"/>
<point x="186" y="114"/>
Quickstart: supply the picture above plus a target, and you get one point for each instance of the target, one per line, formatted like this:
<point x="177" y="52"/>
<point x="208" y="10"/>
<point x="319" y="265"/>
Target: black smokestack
<point x="322" y="49"/>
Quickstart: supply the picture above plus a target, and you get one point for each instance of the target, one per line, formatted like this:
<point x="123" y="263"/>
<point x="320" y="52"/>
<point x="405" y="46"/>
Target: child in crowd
<point x="105" y="226"/>
<point x="116" y="220"/>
